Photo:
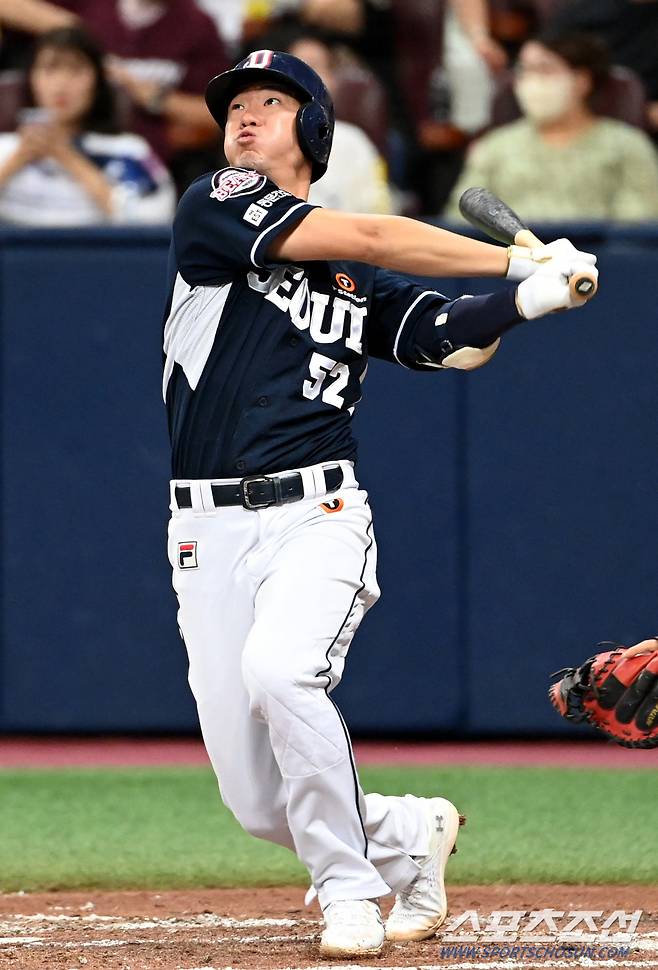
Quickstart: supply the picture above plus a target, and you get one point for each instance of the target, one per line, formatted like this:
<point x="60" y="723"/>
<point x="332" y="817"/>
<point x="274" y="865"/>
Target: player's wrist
<point x="523" y="262"/>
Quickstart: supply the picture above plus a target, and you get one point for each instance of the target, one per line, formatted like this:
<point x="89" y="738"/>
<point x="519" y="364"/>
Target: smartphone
<point x="34" y="116"/>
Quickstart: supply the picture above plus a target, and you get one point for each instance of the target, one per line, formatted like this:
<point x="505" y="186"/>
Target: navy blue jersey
<point x="263" y="361"/>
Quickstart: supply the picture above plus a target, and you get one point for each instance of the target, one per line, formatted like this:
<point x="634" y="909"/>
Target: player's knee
<point x="262" y="679"/>
<point x="257" y="823"/>
<point x="271" y="674"/>
<point x="252" y="816"/>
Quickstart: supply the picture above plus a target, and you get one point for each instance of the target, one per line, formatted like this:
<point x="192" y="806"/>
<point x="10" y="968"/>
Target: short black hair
<point x="102" y="113"/>
<point x="580" y="50"/>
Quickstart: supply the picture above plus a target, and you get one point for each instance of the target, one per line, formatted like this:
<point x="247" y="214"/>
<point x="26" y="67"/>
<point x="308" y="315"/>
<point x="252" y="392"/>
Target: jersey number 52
<point x="321" y="368"/>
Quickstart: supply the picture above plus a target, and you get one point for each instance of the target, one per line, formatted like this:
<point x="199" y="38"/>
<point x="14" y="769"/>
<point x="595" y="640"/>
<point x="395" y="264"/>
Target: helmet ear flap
<point x="315" y="133"/>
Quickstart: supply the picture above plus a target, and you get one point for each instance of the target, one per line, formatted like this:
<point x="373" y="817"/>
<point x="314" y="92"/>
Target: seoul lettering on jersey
<point x="239" y="321"/>
<point x="288" y="289"/>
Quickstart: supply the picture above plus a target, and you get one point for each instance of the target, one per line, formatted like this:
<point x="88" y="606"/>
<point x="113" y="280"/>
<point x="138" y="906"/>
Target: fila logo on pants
<point x="187" y="555"/>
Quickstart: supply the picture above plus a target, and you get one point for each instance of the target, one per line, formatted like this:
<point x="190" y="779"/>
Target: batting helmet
<point x="315" y="118"/>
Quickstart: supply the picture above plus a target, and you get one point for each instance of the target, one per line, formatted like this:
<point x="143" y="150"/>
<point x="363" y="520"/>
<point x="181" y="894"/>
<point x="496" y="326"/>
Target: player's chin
<point x="248" y="158"/>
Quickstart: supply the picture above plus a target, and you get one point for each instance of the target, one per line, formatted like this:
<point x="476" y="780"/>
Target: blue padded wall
<point x="89" y="633"/>
<point x="515" y="507"/>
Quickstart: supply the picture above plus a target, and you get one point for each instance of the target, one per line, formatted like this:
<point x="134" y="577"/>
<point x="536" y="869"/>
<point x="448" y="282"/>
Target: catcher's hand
<point x="616" y="693"/>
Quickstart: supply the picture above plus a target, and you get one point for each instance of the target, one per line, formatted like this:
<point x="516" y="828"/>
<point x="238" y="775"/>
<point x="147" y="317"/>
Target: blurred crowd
<point x="551" y="104"/>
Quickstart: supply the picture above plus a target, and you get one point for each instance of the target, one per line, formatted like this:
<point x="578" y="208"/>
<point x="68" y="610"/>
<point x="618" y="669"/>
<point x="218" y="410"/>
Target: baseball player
<point x="274" y="307"/>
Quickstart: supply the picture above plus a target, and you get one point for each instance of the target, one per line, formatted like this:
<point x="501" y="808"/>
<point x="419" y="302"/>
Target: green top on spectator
<point x="610" y="171"/>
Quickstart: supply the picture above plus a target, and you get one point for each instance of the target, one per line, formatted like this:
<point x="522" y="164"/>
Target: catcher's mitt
<point x="620" y="697"/>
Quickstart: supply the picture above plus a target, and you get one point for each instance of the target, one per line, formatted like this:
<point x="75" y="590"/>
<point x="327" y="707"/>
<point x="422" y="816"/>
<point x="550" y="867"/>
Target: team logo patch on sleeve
<point x="229" y="182"/>
<point x="187" y="555"/>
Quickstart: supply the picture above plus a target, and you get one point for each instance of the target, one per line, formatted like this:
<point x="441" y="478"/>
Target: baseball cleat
<point x="353" y="928"/>
<point x="421" y="908"/>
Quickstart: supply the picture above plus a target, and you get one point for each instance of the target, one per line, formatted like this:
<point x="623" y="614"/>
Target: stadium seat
<point x="622" y="96"/>
<point x="513" y="21"/>
<point x="12" y="98"/>
<point x="546" y="9"/>
<point x="360" y="98"/>
<point x="419" y="46"/>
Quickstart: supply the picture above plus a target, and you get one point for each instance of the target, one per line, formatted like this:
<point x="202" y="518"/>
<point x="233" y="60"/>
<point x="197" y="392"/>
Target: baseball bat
<point x="491" y="216"/>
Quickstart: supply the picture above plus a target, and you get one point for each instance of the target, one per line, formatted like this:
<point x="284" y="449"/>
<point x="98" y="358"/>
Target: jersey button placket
<point x="241" y="465"/>
<point x="263" y="402"/>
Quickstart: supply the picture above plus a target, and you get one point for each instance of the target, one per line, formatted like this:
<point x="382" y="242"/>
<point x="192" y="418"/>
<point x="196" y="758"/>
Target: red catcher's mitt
<point x="620" y="697"/>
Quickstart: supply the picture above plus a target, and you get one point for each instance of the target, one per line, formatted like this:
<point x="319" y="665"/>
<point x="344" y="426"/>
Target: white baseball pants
<point x="269" y="601"/>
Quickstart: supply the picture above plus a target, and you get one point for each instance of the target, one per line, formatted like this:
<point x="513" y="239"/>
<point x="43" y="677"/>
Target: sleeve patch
<point x="255" y="214"/>
<point x="230" y="182"/>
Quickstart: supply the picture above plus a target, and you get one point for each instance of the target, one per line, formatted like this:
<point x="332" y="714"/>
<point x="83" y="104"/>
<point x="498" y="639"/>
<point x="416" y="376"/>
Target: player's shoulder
<point x="225" y="186"/>
<point x="228" y="183"/>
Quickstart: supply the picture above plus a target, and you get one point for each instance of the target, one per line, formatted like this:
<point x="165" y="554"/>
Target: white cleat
<point x="353" y="928"/>
<point x="421" y="908"/>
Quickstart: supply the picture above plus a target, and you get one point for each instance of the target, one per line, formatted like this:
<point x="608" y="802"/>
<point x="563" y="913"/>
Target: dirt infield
<point x="264" y="929"/>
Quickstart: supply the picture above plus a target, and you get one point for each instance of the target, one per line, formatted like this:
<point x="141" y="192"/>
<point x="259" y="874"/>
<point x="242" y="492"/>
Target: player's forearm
<point x="392" y="242"/>
<point x="409" y="246"/>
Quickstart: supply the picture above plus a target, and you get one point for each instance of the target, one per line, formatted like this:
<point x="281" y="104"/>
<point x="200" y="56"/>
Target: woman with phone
<point x="67" y="164"/>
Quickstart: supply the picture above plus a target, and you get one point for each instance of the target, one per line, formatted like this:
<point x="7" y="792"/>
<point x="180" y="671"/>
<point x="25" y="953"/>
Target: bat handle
<point x="582" y="285"/>
<point x="525" y="237"/>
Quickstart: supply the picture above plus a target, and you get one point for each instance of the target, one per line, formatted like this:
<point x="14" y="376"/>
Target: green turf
<point x="165" y="827"/>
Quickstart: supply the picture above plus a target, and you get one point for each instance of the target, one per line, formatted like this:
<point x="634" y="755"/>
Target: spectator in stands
<point x="163" y="53"/>
<point x="67" y="165"/>
<point x="228" y="16"/>
<point x="356" y="177"/>
<point x="630" y="29"/>
<point x="561" y="161"/>
<point x="34" y="16"/>
<point x="470" y="57"/>
<point x="19" y="19"/>
<point x="364" y="28"/>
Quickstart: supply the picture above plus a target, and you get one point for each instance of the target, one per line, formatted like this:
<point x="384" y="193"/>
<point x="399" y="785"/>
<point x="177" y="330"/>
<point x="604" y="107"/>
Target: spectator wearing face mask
<point x="630" y="29"/>
<point x="561" y="161"/>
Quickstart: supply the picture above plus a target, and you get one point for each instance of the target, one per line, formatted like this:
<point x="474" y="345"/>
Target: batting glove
<point x="548" y="288"/>
<point x="523" y="262"/>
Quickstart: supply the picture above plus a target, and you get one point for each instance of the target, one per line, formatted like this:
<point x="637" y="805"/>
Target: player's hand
<point x="548" y="288"/>
<point x="524" y="262"/>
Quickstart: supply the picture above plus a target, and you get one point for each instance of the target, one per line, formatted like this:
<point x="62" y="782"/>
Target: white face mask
<point x="545" y="98"/>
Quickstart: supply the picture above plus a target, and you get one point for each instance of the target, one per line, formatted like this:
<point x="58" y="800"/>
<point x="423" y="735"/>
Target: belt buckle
<point x="244" y="487"/>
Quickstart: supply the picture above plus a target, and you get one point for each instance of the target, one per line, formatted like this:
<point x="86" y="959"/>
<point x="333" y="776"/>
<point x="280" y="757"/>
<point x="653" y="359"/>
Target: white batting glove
<point x="524" y="262"/>
<point x="548" y="288"/>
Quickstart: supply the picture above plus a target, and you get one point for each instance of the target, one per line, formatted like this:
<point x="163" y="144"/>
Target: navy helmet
<point x="315" y="118"/>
